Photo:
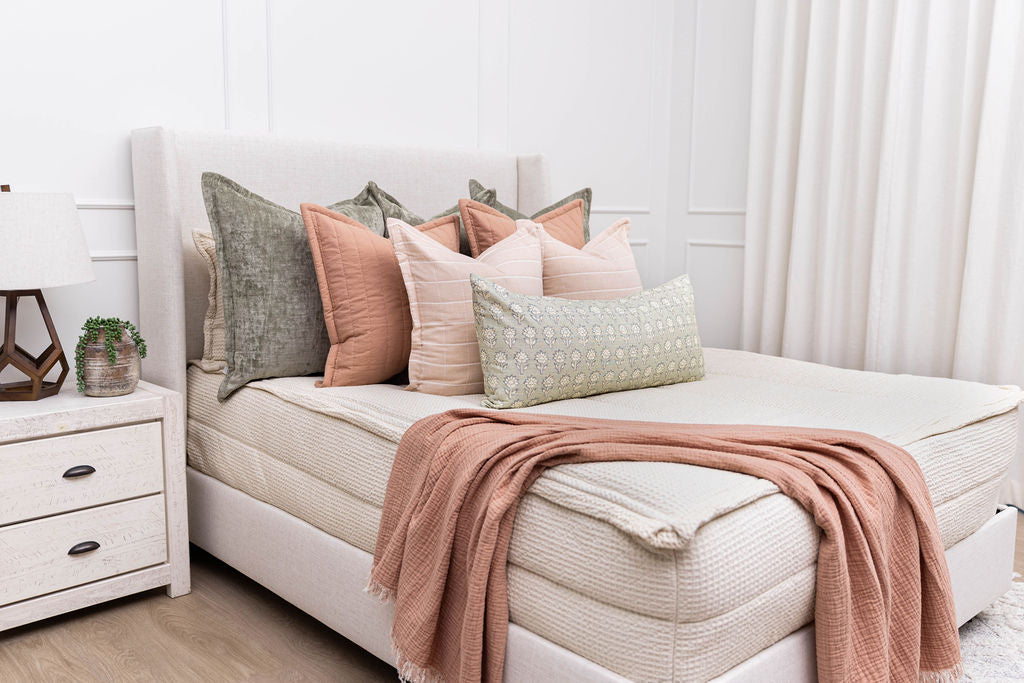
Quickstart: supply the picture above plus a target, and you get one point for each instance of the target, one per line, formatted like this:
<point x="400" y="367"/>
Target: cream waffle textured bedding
<point x="699" y="569"/>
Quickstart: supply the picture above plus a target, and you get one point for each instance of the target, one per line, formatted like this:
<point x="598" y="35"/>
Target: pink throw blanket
<point x="884" y="606"/>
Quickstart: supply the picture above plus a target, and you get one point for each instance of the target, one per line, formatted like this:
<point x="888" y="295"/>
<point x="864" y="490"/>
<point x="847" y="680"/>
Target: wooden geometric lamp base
<point x="34" y="368"/>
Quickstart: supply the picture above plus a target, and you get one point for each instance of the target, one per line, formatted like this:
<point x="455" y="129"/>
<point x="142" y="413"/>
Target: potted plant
<point x="106" y="363"/>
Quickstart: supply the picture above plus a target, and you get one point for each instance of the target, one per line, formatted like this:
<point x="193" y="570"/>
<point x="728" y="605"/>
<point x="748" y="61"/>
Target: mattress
<point x="656" y="571"/>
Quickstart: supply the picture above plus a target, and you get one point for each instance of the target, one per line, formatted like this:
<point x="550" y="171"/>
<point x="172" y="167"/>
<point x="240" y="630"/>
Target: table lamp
<point x="41" y="245"/>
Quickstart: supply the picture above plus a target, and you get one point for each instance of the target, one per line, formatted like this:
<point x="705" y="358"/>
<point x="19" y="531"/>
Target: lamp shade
<point x="41" y="242"/>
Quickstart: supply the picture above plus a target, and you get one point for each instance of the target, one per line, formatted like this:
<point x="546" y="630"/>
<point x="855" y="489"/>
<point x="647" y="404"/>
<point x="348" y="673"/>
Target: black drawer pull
<point x="79" y="471"/>
<point x="83" y="547"/>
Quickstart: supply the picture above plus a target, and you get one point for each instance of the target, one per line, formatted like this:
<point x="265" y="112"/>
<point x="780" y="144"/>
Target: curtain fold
<point x="885" y="217"/>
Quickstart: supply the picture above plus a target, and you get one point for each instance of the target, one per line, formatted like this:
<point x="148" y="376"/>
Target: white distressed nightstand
<point x="92" y="501"/>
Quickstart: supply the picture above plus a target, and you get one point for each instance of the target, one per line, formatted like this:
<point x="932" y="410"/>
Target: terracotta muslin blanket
<point x="884" y="606"/>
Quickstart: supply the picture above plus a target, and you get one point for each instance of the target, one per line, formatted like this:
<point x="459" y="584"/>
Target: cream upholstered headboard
<point x="167" y="165"/>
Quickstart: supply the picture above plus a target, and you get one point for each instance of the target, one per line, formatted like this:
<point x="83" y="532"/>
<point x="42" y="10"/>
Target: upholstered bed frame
<point x="315" y="571"/>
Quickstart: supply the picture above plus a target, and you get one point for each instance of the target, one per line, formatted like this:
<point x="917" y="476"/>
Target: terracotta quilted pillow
<point x="585" y="195"/>
<point x="486" y="226"/>
<point x="365" y="305"/>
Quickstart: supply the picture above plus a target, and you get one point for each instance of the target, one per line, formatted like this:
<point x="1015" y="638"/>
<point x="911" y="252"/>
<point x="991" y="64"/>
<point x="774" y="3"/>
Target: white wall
<point x="644" y="100"/>
<point x="711" y="79"/>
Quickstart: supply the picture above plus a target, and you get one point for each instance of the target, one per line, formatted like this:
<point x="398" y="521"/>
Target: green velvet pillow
<point x="273" y="314"/>
<point x="585" y="194"/>
<point x="392" y="208"/>
<point x="535" y="349"/>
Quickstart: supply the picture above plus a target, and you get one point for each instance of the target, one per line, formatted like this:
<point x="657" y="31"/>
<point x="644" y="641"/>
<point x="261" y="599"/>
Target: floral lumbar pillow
<point x="536" y="349"/>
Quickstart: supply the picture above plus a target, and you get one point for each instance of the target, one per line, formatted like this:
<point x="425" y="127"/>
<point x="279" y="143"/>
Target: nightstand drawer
<point x="47" y="555"/>
<point x="48" y="476"/>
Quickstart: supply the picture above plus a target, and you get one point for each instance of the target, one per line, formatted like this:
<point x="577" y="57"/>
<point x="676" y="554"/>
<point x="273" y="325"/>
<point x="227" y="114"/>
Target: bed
<point x="642" y="571"/>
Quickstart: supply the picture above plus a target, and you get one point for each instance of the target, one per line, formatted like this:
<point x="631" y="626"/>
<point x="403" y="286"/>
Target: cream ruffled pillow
<point x="213" y="324"/>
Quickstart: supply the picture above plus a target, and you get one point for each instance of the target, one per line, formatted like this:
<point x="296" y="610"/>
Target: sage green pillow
<point x="536" y="349"/>
<point x="585" y="194"/>
<point x="273" y="314"/>
<point x="392" y="208"/>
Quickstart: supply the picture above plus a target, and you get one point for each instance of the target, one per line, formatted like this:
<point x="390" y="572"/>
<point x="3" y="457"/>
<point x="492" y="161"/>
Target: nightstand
<point x="92" y="501"/>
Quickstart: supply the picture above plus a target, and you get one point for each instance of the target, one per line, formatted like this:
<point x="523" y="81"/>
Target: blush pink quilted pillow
<point x="445" y="358"/>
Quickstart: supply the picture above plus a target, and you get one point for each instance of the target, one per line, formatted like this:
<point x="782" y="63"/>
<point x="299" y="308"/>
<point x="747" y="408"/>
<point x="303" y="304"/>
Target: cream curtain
<point x="885" y="216"/>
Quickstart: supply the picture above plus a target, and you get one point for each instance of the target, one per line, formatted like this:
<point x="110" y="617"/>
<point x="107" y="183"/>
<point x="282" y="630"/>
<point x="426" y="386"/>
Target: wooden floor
<point x="228" y="629"/>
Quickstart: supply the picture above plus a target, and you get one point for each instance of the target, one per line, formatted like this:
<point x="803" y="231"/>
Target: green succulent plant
<point x="113" y="329"/>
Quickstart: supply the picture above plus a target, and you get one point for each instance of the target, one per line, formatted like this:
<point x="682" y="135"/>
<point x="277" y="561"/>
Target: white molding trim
<point x="106" y="204"/>
<point x="690" y="244"/>
<point x="244" y="55"/>
<point x="114" y="255"/>
<point x="729" y="244"/>
<point x="690" y="208"/>
<point x="479" y="79"/>
<point x="508" y="76"/>
<point x="270" y="91"/>
<point x="693" y="99"/>
<point x="493" y="128"/>
<point x="621" y="209"/>
<point x="661" y="122"/>
<point x="652" y="98"/>
<point x="224" y="60"/>
<point x="716" y="211"/>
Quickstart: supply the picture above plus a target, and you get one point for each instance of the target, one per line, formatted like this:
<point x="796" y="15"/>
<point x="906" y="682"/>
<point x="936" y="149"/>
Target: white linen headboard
<point x="167" y="165"/>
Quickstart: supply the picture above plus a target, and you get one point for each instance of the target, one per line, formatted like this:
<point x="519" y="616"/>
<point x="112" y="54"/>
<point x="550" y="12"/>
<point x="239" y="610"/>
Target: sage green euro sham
<point x="273" y="313"/>
<point x="585" y="194"/>
<point x="536" y="349"/>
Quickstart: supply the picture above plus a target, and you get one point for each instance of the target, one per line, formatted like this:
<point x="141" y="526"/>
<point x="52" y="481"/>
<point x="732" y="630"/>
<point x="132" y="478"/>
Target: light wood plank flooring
<point x="228" y="629"/>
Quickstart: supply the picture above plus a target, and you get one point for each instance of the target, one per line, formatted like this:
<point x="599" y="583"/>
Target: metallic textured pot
<point x="104" y="379"/>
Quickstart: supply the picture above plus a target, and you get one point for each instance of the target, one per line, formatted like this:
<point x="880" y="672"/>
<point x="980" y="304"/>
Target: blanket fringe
<point x="413" y="673"/>
<point x="408" y="671"/>
<point x="380" y="591"/>
<point x="947" y="676"/>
